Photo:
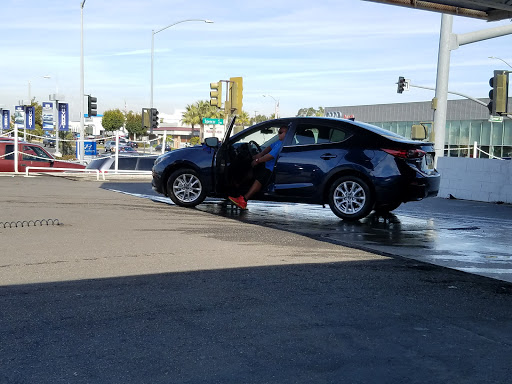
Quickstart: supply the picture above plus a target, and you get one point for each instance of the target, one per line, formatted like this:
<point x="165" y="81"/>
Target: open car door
<point x="220" y="161"/>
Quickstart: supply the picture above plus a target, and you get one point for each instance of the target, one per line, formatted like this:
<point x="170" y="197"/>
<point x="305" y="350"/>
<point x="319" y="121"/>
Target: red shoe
<point x="239" y="202"/>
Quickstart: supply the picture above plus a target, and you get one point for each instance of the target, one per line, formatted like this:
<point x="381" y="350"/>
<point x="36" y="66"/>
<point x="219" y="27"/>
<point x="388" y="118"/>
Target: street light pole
<point x="498" y="58"/>
<point x="81" y="143"/>
<point x="276" y="106"/>
<point x="153" y="33"/>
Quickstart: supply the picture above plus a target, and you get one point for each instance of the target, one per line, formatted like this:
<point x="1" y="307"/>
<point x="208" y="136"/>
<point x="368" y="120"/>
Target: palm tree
<point x="204" y="109"/>
<point x="190" y="116"/>
<point x="243" y="119"/>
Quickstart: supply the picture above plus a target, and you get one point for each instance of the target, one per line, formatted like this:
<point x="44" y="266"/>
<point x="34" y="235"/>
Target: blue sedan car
<point x="352" y="166"/>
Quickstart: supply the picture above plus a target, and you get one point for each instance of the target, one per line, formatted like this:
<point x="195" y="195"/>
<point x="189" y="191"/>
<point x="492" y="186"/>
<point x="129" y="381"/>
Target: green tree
<point x="303" y="112"/>
<point x="190" y="116"/>
<point x="195" y="140"/>
<point x="113" y="120"/>
<point x="134" y="124"/>
<point x="258" y="119"/>
<point x="194" y="114"/>
<point x="243" y="119"/>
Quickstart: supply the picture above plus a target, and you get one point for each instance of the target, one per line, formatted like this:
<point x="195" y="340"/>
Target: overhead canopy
<point x="490" y="10"/>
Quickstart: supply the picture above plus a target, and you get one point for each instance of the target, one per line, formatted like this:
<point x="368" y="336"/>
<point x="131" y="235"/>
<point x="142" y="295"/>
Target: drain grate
<point x="29" y="223"/>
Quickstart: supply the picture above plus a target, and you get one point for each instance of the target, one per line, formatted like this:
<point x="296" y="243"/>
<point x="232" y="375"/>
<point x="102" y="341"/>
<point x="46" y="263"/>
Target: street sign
<point x="496" y="119"/>
<point x="207" y="120"/>
<point x="89" y="148"/>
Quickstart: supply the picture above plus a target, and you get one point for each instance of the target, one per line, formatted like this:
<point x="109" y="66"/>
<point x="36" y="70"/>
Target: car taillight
<point x="406" y="153"/>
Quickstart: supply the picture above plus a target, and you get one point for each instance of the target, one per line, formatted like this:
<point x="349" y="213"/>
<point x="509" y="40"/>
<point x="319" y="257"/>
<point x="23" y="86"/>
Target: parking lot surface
<point x="126" y="290"/>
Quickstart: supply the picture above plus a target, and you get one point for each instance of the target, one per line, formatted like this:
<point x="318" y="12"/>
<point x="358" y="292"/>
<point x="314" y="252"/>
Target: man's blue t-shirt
<point x="275" y="148"/>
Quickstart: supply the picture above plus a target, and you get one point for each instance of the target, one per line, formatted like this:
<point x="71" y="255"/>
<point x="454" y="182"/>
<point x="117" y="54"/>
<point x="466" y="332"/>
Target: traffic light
<point x="498" y="95"/>
<point x="92" y="106"/>
<point x="401" y="84"/>
<point x="216" y="94"/>
<point x="236" y="94"/>
<point x="154" y="118"/>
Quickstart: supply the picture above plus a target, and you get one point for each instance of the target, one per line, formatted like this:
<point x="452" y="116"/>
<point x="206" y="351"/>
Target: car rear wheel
<point x="185" y="189"/>
<point x="350" y="198"/>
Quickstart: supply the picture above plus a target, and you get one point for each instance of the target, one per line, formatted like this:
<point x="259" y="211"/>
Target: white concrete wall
<point x="488" y="180"/>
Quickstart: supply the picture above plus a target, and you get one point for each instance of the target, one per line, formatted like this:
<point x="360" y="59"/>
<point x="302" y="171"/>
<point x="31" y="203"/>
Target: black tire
<point x="350" y="198"/>
<point x="185" y="188"/>
<point x="386" y="208"/>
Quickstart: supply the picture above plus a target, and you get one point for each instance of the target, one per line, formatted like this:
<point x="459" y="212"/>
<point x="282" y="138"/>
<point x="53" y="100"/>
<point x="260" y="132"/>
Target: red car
<point x="30" y="155"/>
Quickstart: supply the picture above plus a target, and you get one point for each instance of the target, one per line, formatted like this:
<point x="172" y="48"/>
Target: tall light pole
<point x="498" y="58"/>
<point x="153" y="33"/>
<point x="81" y="146"/>
<point x="276" y="106"/>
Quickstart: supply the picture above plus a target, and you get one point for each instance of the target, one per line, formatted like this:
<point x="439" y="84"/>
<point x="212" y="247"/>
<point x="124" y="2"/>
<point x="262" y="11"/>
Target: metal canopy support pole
<point x="443" y="72"/>
<point x="447" y="43"/>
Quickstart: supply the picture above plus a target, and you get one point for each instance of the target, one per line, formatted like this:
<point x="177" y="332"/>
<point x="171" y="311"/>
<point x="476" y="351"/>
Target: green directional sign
<point x="207" y="120"/>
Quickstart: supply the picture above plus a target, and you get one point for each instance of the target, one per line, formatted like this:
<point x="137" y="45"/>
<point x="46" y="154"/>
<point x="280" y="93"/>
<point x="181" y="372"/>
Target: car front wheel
<point x="350" y="198"/>
<point x="185" y="189"/>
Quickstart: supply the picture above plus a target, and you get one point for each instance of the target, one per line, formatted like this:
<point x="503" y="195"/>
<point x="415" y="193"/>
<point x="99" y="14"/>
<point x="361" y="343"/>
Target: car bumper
<point x="156" y="184"/>
<point x="408" y="189"/>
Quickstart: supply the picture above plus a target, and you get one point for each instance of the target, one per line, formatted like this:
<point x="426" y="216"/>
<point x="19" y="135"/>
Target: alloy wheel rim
<point x="187" y="188"/>
<point x="349" y="197"/>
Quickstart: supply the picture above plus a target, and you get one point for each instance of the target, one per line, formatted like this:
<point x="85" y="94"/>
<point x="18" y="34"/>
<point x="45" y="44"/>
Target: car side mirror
<point x="212" y="142"/>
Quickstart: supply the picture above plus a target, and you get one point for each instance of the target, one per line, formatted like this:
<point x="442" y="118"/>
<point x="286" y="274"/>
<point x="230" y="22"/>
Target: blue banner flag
<point x="19" y="116"/>
<point x="30" y="118"/>
<point x="63" y="117"/>
<point x="6" y="118"/>
<point x="47" y="116"/>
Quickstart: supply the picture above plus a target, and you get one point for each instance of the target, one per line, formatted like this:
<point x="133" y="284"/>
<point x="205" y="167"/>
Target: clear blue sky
<point x="303" y="53"/>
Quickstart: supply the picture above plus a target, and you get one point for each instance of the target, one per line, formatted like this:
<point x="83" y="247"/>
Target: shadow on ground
<point x="387" y="321"/>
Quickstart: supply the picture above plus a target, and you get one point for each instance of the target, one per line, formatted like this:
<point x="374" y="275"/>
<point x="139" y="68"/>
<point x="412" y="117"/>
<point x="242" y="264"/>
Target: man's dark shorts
<point x="262" y="174"/>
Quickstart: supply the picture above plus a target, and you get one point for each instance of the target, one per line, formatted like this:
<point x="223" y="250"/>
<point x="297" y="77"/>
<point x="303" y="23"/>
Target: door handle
<point x="328" y="156"/>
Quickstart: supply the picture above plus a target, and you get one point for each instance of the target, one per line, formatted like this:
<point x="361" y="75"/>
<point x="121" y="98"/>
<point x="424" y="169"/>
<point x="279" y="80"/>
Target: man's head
<point x="282" y="132"/>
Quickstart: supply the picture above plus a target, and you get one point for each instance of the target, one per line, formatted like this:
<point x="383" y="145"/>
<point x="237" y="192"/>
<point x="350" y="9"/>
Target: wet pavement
<point x="465" y="235"/>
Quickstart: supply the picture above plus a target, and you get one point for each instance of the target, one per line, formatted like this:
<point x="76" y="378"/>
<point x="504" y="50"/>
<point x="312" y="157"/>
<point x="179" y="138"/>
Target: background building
<point x="466" y="122"/>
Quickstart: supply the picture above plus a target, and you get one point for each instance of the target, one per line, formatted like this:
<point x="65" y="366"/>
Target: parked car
<point x="110" y="145"/>
<point x="126" y="163"/>
<point x="159" y="148"/>
<point x="127" y="150"/>
<point x="30" y="155"/>
<point x="132" y="144"/>
<point x="352" y="166"/>
<point x="49" y="141"/>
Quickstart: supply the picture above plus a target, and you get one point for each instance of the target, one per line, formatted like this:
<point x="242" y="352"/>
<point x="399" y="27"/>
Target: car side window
<point x="263" y="136"/>
<point x="9" y="148"/>
<point x="125" y="163"/>
<point x="309" y="134"/>
<point x="34" y="153"/>
<point x="145" y="163"/>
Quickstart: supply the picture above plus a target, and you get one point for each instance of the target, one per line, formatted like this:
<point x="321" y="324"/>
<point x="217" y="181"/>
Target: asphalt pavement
<point x="118" y="289"/>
